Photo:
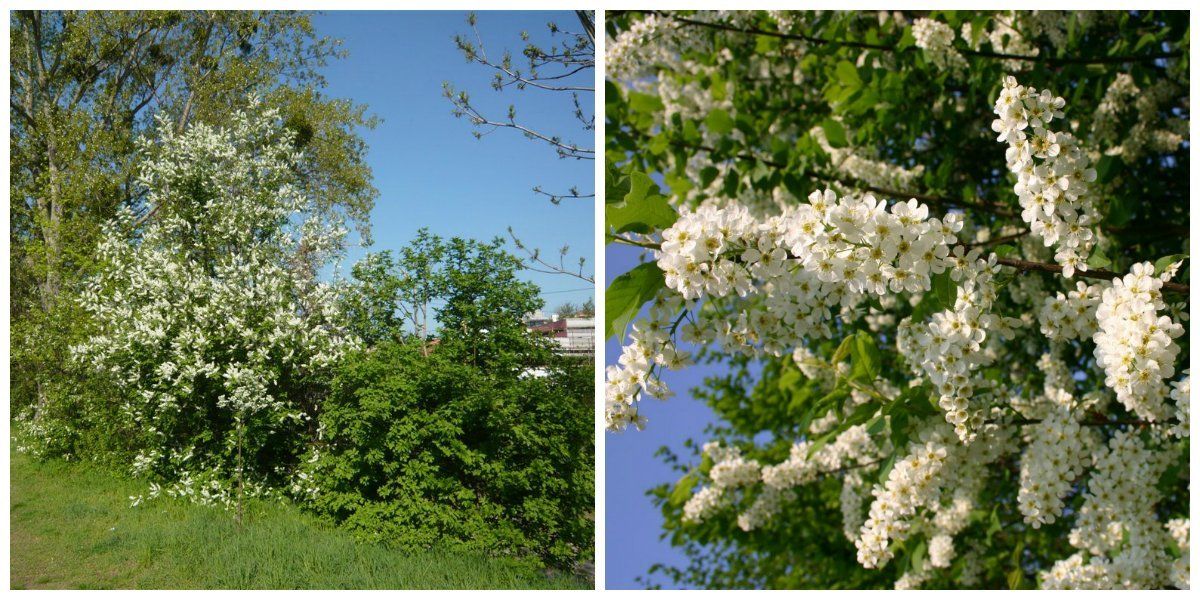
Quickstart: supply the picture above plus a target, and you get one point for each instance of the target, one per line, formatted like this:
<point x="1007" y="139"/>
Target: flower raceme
<point x="1053" y="172"/>
<point x="1135" y="344"/>
<point x="811" y="261"/>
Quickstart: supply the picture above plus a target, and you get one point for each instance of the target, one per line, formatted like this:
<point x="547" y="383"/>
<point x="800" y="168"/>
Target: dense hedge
<point x="419" y="450"/>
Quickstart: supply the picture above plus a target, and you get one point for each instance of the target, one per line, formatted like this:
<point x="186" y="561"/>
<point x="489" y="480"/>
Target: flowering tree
<point x="84" y="86"/>
<point x="952" y="322"/>
<point x="209" y="317"/>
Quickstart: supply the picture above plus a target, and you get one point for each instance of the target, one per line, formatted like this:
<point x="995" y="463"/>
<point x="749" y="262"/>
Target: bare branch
<point x="561" y="268"/>
<point x="572" y="194"/>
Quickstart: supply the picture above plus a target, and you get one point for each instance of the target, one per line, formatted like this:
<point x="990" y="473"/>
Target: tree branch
<point x="573" y="194"/>
<point x="463" y="107"/>
<point x="1026" y="265"/>
<point x="550" y="268"/>
<point x="995" y="209"/>
<point x="1050" y="60"/>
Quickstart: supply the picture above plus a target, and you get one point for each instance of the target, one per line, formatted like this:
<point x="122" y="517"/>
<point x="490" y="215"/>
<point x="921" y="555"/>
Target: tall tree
<point x="86" y="85"/>
<point x="213" y="331"/>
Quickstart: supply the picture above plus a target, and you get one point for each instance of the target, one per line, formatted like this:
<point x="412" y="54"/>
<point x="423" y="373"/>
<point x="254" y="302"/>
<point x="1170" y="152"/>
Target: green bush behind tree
<point x="479" y="435"/>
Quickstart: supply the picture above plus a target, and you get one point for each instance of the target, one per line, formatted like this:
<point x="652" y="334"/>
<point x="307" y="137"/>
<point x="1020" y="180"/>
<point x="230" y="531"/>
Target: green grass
<point x="72" y="527"/>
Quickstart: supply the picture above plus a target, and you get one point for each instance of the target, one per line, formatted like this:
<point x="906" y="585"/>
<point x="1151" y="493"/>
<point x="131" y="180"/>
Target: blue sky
<point x="429" y="170"/>
<point x="633" y="524"/>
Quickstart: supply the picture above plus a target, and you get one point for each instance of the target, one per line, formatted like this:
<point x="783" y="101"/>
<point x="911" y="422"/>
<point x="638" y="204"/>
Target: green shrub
<point x="419" y="450"/>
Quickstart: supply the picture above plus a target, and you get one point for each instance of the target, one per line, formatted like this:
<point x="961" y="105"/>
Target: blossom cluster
<point x="858" y="242"/>
<point x="1181" y="568"/>
<point x="791" y="271"/>
<point x="1071" y="316"/>
<point x="857" y="165"/>
<point x="936" y="39"/>
<point x="1053" y="172"/>
<point x="650" y="348"/>
<point x="1135" y="344"/>
<point x="1181" y="393"/>
<point x="1124" y="102"/>
<point x="854" y="444"/>
<point x="1058" y="451"/>
<point x="1122" y="542"/>
<point x="730" y="471"/>
<point x="950" y="348"/>
<point x="913" y="482"/>
<point x="1005" y="38"/>
<point x="636" y="50"/>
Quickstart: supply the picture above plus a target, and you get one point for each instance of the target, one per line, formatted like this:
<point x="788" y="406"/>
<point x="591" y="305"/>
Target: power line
<point x="565" y="291"/>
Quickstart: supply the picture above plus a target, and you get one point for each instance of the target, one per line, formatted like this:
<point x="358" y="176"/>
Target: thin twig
<point x="1050" y="60"/>
<point x="550" y="268"/>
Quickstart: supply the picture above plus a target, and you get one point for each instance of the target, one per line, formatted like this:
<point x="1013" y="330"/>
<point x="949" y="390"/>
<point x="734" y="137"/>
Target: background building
<point x="574" y="335"/>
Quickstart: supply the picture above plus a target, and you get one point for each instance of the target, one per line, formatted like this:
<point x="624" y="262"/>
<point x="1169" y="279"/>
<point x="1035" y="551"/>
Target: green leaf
<point x="843" y="350"/>
<point x="626" y="295"/>
<point x="875" y="427"/>
<point x="907" y="39"/>
<point x="1106" y="169"/>
<point x="645" y="103"/>
<point x="1015" y="578"/>
<point x="1098" y="260"/>
<point x="616" y="186"/>
<point x="847" y="73"/>
<point x="1161" y="264"/>
<point x="899" y="430"/>
<point x="682" y="491"/>
<point x="945" y="290"/>
<point x="764" y="44"/>
<point x="719" y="122"/>
<point x="917" y="558"/>
<point x="886" y="469"/>
<point x="1003" y="250"/>
<point x="1120" y="210"/>
<point x="834" y="133"/>
<point x="642" y="210"/>
<point x="865" y="358"/>
<point x="1144" y="41"/>
<point x="833" y="399"/>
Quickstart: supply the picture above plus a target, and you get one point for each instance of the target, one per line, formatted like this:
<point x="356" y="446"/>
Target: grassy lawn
<point x="71" y="527"/>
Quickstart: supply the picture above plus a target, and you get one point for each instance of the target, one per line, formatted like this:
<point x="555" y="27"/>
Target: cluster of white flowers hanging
<point x="209" y="310"/>
<point x="1053" y="172"/>
<point x="1135" y="344"/>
